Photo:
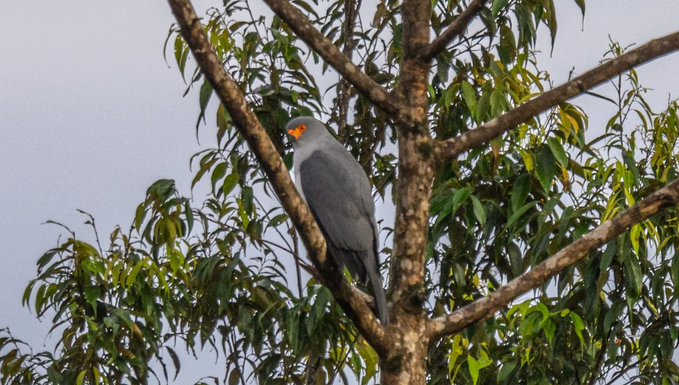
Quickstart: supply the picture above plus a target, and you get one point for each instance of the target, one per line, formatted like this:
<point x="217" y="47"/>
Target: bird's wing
<point x="335" y="188"/>
<point x="339" y="196"/>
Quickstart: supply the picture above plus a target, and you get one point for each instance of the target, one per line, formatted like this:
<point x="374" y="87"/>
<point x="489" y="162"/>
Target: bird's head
<point x="305" y="129"/>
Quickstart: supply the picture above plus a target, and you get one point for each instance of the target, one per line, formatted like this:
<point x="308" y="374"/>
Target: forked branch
<point x="455" y="29"/>
<point x="483" y="134"/>
<point x="320" y="44"/>
<point x="567" y="257"/>
<point x="260" y="144"/>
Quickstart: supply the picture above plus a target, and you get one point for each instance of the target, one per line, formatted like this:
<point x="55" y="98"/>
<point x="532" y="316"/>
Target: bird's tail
<point x="380" y="296"/>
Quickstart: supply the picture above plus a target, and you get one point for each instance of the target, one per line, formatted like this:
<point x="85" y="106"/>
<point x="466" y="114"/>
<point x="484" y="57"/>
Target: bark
<point x="406" y="360"/>
<point x="567" y="257"/>
<point x="485" y="133"/>
<point x="350" y="298"/>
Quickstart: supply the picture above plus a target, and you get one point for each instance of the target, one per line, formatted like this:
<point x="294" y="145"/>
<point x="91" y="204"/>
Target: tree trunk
<point x="405" y="362"/>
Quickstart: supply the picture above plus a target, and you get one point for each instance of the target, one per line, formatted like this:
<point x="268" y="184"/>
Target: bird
<point x="338" y="192"/>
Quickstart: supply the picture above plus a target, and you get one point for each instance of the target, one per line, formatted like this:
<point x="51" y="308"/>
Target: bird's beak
<point x="297" y="132"/>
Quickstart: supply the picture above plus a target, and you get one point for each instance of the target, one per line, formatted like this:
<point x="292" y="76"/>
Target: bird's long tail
<point x="380" y="296"/>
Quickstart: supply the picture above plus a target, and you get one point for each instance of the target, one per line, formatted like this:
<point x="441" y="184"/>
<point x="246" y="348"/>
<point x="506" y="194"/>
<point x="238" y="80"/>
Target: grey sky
<point x="91" y="115"/>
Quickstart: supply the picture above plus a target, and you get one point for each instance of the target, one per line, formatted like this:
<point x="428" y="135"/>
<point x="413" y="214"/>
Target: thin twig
<point x="455" y="29"/>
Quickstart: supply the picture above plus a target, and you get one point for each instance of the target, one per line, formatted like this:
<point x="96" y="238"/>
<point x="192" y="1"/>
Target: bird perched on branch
<point x="338" y="193"/>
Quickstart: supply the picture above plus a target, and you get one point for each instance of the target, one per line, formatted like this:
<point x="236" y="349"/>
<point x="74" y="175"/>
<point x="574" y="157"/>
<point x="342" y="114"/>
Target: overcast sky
<point x="91" y="115"/>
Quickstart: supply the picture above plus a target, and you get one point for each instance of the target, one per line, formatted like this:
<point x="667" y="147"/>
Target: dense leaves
<point x="227" y="273"/>
<point x="613" y="317"/>
<point x="156" y="289"/>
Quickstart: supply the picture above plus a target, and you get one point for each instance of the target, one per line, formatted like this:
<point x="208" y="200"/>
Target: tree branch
<point x="455" y="29"/>
<point x="351" y="9"/>
<point x="486" y="132"/>
<point x="567" y="257"/>
<point x="259" y="142"/>
<point x="333" y="56"/>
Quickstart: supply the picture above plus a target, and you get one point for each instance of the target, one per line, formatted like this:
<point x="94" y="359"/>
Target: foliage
<point x="223" y="274"/>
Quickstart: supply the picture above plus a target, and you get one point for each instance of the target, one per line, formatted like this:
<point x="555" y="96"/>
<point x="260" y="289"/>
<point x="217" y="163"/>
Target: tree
<point x="527" y="246"/>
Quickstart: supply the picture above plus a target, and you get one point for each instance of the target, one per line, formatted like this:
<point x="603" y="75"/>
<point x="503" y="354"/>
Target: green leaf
<point x="675" y="272"/>
<point x="608" y="255"/>
<point x="189" y="215"/>
<point x="292" y="326"/>
<point x="175" y="361"/>
<point x="218" y="174"/>
<point x="459" y="197"/>
<point x="278" y="220"/>
<point x="81" y="377"/>
<point x="473" y="368"/>
<point x="204" y="167"/>
<point x="526" y="25"/>
<point x="506" y="370"/>
<point x="551" y="19"/>
<point x="520" y="191"/>
<point x="579" y="325"/>
<point x="223" y="122"/>
<point x="203" y="99"/>
<point x="549" y="328"/>
<point x="558" y="152"/>
<point x="40" y="299"/>
<point x="479" y="210"/>
<point x="635" y="237"/>
<point x="635" y="279"/>
<point x="528" y="160"/>
<point x="613" y="314"/>
<point x="581" y="5"/>
<point x="181" y="53"/>
<point x="92" y="294"/>
<point x="498" y="103"/>
<point x="483" y="108"/>
<point x="545" y="168"/>
<point x="507" y="47"/>
<point x="230" y="183"/>
<point x="518" y="213"/>
<point x="132" y="276"/>
<point x="498" y="5"/>
<point x="139" y="216"/>
<point x="318" y="311"/>
<point x="234" y="376"/>
<point x="161" y="190"/>
<point x="469" y="95"/>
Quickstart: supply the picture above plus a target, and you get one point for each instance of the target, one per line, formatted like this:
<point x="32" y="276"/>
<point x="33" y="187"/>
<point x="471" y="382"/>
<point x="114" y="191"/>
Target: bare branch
<point x="455" y="29"/>
<point x="483" y="134"/>
<point x="351" y="9"/>
<point x="567" y="257"/>
<point x="259" y="142"/>
<point x="333" y="56"/>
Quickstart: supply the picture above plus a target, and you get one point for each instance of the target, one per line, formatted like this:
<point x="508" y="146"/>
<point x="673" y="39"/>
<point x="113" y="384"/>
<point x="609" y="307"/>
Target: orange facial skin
<point x="297" y="132"/>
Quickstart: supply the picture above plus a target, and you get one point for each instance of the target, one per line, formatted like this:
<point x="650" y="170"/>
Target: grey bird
<point x="338" y="193"/>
